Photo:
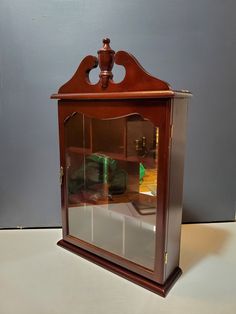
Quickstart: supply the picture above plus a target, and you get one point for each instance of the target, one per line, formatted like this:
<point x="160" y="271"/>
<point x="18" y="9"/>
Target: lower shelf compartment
<point x="157" y="288"/>
<point x="116" y="228"/>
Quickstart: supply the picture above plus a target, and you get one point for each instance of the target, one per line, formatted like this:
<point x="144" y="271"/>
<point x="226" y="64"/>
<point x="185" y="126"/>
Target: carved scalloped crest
<point x="136" y="78"/>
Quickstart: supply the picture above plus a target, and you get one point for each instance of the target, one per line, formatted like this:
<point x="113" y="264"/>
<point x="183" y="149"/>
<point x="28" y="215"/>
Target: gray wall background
<point x="190" y="44"/>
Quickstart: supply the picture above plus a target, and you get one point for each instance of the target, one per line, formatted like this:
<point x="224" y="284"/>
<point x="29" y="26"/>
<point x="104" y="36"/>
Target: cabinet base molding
<point x="157" y="288"/>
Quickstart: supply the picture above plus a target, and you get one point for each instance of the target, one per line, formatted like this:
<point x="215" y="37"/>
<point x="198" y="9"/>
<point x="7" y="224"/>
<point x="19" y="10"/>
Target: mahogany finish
<point x="162" y="290"/>
<point x="136" y="78"/>
<point x="152" y="98"/>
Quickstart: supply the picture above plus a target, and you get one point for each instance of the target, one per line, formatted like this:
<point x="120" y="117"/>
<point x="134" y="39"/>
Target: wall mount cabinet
<point x="122" y="159"/>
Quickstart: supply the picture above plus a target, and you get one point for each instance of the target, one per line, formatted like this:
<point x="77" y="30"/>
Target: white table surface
<point x="38" y="277"/>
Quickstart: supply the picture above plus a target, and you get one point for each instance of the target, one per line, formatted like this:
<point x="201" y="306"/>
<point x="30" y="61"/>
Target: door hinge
<point x="166" y="258"/>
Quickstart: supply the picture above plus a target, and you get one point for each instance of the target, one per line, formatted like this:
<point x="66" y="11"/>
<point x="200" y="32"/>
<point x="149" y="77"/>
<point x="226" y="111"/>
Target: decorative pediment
<point x="136" y="78"/>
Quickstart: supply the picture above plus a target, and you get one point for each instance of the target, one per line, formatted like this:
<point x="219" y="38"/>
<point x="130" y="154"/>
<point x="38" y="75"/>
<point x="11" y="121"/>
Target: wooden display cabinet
<point x="122" y="160"/>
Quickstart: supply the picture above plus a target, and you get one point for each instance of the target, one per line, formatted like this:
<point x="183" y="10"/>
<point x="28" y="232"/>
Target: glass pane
<point x="112" y="184"/>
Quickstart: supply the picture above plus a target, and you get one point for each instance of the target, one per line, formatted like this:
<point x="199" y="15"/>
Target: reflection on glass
<point x="112" y="184"/>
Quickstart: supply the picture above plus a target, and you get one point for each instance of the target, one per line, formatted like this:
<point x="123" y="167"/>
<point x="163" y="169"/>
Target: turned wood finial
<point x="106" y="61"/>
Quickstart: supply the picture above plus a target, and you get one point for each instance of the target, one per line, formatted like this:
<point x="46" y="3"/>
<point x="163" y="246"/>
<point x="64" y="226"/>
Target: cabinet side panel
<point x="177" y="150"/>
<point x="61" y="118"/>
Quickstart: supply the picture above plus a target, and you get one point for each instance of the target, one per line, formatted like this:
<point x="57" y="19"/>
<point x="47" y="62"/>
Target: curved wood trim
<point x="136" y="78"/>
<point x="80" y="80"/>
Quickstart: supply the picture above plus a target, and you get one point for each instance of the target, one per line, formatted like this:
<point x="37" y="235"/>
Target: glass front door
<point x="111" y="169"/>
